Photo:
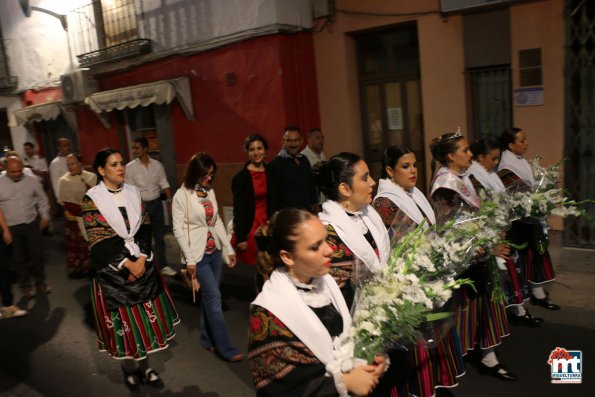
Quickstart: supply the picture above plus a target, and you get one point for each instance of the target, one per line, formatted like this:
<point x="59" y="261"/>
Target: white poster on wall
<point x="395" y="118"/>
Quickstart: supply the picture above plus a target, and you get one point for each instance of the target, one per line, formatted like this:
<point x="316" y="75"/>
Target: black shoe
<point x="132" y="381"/>
<point x="151" y="378"/>
<point x="499" y="371"/>
<point x="444" y="392"/>
<point x="545" y="302"/>
<point x="527" y="320"/>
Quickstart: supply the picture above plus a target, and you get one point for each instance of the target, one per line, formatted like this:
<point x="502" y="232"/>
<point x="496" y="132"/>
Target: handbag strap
<point x="187" y="219"/>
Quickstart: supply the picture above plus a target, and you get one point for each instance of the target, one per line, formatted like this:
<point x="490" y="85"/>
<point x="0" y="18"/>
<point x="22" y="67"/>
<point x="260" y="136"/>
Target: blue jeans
<point x="155" y="210"/>
<point x="213" y="331"/>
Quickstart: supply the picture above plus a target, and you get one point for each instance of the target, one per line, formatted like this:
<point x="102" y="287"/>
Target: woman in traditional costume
<point x="134" y="314"/>
<point x="298" y="314"/>
<point x="402" y="206"/>
<point x="516" y="174"/>
<point x="480" y="317"/>
<point x="71" y="189"/>
<point x="483" y="175"/>
<point x="355" y="230"/>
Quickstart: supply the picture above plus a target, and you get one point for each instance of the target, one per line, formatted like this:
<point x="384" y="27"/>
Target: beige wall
<point x="442" y="78"/>
<point x="541" y="25"/>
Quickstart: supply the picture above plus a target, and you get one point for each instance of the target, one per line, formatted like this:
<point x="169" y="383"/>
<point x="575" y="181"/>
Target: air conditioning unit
<point x="77" y="85"/>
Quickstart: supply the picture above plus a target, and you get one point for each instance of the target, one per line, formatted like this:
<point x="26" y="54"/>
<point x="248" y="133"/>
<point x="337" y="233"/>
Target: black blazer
<point x="293" y="183"/>
<point x="243" y="201"/>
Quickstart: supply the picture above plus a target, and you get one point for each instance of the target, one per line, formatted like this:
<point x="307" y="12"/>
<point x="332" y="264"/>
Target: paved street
<point x="52" y="351"/>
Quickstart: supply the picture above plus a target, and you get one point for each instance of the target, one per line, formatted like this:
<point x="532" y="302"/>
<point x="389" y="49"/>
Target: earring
<point x="290" y="271"/>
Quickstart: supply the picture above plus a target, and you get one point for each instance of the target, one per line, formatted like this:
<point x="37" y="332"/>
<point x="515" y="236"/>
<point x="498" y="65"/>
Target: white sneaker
<point x="13" y="311"/>
<point x="168" y="271"/>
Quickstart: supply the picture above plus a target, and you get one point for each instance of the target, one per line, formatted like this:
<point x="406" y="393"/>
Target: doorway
<point x="390" y="91"/>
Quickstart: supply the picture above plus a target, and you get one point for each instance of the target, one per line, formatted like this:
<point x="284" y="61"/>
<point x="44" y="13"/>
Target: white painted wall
<point x="36" y="47"/>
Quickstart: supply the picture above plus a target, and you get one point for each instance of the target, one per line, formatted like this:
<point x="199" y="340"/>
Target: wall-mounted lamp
<point x="28" y="8"/>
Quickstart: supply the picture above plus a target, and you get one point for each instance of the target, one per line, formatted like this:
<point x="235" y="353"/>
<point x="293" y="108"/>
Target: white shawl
<point x="518" y="165"/>
<point x="72" y="188"/>
<point x="280" y="296"/>
<point x="460" y="183"/>
<point x="350" y="234"/>
<point x="488" y="179"/>
<point x="105" y="204"/>
<point x="412" y="205"/>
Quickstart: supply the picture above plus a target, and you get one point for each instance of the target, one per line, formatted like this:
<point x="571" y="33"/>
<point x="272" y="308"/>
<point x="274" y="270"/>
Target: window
<point x="530" y="67"/>
<point x="119" y="21"/>
<point x="106" y="30"/>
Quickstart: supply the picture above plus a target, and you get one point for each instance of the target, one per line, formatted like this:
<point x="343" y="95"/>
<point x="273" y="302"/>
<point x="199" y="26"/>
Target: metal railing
<point x="105" y="31"/>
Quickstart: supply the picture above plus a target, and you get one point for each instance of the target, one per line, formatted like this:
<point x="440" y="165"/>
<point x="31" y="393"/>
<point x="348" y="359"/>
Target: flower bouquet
<point x="397" y="307"/>
<point x="546" y="198"/>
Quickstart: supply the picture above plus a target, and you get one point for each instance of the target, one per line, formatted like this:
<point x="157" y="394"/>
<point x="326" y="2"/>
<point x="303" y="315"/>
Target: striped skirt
<point x="514" y="284"/>
<point x="479" y="320"/>
<point x="423" y="369"/>
<point x="132" y="332"/>
<point x="538" y="268"/>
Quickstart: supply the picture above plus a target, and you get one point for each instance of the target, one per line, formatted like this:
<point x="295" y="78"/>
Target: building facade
<point x="201" y="75"/>
<point x="406" y="72"/>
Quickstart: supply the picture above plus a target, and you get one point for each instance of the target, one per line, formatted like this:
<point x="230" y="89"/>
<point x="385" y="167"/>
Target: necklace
<point x="199" y="188"/>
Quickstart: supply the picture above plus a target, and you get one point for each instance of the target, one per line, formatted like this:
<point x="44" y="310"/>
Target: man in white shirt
<point x="148" y="175"/>
<point x="58" y="165"/>
<point x="34" y="161"/>
<point x="313" y="151"/>
<point x="23" y="200"/>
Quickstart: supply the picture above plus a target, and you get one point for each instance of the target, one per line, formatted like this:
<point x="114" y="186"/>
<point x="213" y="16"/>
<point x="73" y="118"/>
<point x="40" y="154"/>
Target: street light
<point x="28" y="8"/>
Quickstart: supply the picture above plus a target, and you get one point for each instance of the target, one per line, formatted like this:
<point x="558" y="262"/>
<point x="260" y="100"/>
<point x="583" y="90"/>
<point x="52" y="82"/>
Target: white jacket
<point x="191" y="229"/>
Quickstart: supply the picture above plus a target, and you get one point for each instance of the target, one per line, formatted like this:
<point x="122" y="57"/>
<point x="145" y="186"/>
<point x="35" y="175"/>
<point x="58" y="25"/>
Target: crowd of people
<point x="308" y="225"/>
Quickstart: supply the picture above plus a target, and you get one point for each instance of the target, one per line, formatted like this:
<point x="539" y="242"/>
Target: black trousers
<point x="6" y="275"/>
<point x="27" y="254"/>
<point x="155" y="210"/>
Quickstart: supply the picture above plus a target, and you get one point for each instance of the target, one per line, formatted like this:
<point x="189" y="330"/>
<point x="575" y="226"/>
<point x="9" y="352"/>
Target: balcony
<point x="115" y="53"/>
<point x="107" y="31"/>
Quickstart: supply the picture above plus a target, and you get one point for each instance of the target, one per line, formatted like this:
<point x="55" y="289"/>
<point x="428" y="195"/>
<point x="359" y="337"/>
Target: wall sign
<point x="528" y="96"/>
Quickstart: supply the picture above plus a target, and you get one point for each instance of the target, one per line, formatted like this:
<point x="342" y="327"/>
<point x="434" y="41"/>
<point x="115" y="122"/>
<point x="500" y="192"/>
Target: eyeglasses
<point x="209" y="175"/>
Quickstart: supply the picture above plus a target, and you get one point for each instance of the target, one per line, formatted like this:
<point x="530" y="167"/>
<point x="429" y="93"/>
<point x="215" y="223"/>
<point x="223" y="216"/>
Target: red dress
<point x="259" y="182"/>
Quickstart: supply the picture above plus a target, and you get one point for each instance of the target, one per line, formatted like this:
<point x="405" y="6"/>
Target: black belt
<point x="152" y="201"/>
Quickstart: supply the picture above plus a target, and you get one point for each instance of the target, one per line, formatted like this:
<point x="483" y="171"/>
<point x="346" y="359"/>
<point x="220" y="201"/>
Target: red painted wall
<point x="92" y="135"/>
<point x="275" y="86"/>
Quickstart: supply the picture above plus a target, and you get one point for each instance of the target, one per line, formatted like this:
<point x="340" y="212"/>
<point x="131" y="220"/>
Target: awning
<point x="158" y="92"/>
<point x="42" y="112"/>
